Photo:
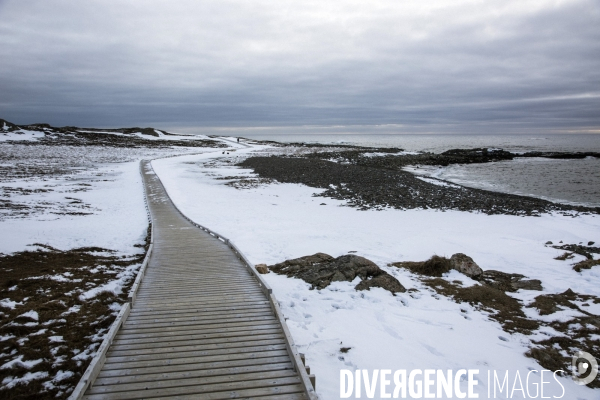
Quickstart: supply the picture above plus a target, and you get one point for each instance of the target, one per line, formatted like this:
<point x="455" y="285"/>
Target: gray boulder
<point x="321" y="269"/>
<point x="465" y="264"/>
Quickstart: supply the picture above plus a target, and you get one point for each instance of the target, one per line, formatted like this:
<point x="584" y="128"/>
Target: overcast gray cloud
<point x="440" y="65"/>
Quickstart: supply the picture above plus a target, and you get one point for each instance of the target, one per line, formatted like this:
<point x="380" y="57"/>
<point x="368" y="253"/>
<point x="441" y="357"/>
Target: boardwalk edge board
<point x="306" y="379"/>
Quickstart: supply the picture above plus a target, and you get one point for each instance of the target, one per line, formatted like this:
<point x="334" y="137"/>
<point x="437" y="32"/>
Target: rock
<point x="529" y="284"/>
<point x="509" y="282"/>
<point x="591" y="243"/>
<point x="321" y="269"/>
<point x="262" y="268"/>
<point x="548" y="242"/>
<point x="384" y="281"/>
<point x="465" y="264"/>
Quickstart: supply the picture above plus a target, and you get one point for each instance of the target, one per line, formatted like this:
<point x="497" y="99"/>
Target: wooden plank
<point x="191" y="347"/>
<point x="218" y="390"/>
<point x="200" y="366"/>
<point x="189" y="374"/>
<point x="196" y="294"/>
<point x="196" y="381"/>
<point x="206" y="310"/>
<point x="200" y="324"/>
<point x="212" y="317"/>
<point x="207" y="338"/>
<point x="224" y="301"/>
<point x="245" y="326"/>
<point x="191" y="340"/>
<point x="198" y="313"/>
<point x="288" y="396"/>
<point x="113" y="363"/>
<point x="223" y="353"/>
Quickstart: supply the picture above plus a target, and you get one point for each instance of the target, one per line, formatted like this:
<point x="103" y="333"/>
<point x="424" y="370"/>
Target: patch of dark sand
<point x="321" y="269"/>
<point x="49" y="282"/>
<point x="369" y="187"/>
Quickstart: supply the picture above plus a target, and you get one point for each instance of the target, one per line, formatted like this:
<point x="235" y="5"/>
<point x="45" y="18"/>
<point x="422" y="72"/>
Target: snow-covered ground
<point x="419" y="329"/>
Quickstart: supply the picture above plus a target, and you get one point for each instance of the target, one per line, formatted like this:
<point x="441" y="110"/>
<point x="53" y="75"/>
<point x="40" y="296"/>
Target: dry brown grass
<point x="49" y="282"/>
<point x="435" y="266"/>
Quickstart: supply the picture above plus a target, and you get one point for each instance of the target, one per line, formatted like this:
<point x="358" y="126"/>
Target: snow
<point x="161" y="136"/>
<point x="20" y="135"/>
<point x="10" y="382"/>
<point x="71" y="310"/>
<point x="272" y="223"/>
<point x="18" y="362"/>
<point x="118" y="208"/>
<point x="8" y="303"/>
<point x="31" y="314"/>
<point x="114" y="286"/>
<point x="62" y="375"/>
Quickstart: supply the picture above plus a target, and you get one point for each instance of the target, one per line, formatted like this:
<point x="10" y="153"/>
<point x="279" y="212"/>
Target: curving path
<point x="201" y="326"/>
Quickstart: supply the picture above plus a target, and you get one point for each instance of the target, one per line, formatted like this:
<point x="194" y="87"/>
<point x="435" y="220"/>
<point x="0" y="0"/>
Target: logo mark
<point x="584" y="367"/>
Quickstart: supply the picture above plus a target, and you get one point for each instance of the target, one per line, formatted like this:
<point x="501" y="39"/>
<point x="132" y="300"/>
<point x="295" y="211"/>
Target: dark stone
<point x="321" y="269"/>
<point x="262" y="268"/>
<point x="384" y="281"/>
<point x="465" y="264"/>
<point x="509" y="282"/>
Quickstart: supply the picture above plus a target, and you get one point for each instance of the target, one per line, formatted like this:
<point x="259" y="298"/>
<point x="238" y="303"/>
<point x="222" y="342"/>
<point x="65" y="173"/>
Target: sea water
<point x="574" y="181"/>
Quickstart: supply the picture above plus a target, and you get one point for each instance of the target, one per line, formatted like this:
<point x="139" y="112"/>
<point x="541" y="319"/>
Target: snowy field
<point x="420" y="329"/>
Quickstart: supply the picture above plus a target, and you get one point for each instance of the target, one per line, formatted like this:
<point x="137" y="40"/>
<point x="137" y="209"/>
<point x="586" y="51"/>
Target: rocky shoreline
<point x="379" y="182"/>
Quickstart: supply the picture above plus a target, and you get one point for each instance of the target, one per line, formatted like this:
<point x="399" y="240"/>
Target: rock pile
<point x="321" y="269"/>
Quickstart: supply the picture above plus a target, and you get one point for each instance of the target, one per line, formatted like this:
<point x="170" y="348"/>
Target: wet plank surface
<point x="200" y="326"/>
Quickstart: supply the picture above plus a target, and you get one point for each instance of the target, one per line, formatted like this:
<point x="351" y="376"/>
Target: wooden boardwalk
<point x="201" y="325"/>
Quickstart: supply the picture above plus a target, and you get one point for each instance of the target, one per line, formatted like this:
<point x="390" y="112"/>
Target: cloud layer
<point x="460" y="65"/>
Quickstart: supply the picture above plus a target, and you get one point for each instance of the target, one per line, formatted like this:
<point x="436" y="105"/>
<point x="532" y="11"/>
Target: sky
<point x="409" y="66"/>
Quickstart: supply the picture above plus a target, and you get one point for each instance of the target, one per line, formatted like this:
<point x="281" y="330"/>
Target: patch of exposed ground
<point x="580" y="249"/>
<point x="55" y="308"/>
<point x="122" y="137"/>
<point x="564" y="333"/>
